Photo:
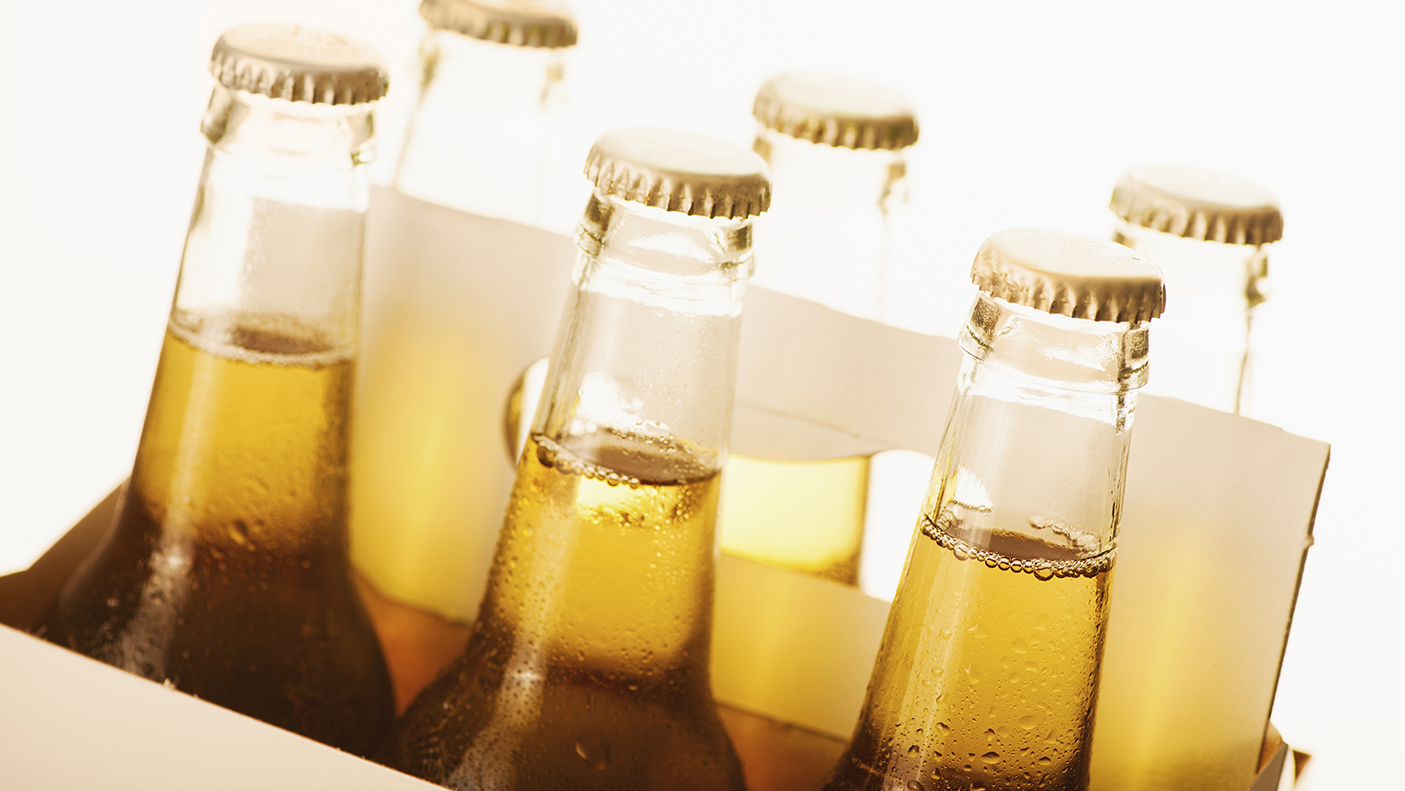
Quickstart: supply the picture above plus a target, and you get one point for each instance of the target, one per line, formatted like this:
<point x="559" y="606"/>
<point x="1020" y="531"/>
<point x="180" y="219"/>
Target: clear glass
<point x="1203" y="341"/>
<point x="988" y="669"/>
<point x="483" y="138"/>
<point x="826" y="235"/>
<point x="226" y="572"/>
<point x="589" y="662"/>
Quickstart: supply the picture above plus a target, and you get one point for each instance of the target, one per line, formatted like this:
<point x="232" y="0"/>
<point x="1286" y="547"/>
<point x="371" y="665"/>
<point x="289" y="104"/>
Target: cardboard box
<point x="1228" y="500"/>
<point x="70" y="722"/>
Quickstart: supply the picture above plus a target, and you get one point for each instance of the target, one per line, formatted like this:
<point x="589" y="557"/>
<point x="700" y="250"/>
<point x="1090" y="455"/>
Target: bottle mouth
<point x="294" y="133"/>
<point x="667" y="245"/>
<point x="1057" y="351"/>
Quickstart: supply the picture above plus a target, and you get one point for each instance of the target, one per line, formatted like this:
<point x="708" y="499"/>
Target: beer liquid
<point x="806" y="516"/>
<point x="588" y="666"/>
<point x="227" y="572"/>
<point x="991" y="659"/>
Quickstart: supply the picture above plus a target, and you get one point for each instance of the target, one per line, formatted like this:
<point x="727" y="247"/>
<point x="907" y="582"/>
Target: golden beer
<point x="802" y="514"/>
<point x="588" y="668"/>
<point x="1002" y="648"/>
<point x="226" y="573"/>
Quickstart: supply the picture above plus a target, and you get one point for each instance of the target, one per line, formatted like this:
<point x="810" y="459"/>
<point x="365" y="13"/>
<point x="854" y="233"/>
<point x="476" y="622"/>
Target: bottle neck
<point x="481" y="137"/>
<point x="1033" y="462"/>
<point x="647" y="347"/>
<point x="1212" y="290"/>
<point x="300" y="135"/>
<point x="868" y="179"/>
<point x="826" y="237"/>
<point x="488" y="75"/>
<point x="276" y="235"/>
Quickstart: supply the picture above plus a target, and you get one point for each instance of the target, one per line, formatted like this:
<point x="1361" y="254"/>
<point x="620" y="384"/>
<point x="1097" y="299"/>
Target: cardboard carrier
<point x="1217" y="522"/>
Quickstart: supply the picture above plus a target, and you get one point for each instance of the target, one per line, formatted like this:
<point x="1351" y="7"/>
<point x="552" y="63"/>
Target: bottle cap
<point x="520" y="23"/>
<point x="679" y="171"/>
<point x="1069" y="274"/>
<point x="299" y="64"/>
<point x="836" y="110"/>
<point x="1198" y="204"/>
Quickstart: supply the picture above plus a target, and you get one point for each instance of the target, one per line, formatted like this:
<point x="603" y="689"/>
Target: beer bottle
<point x="1209" y="233"/>
<point x="484" y="130"/>
<point x="588" y="664"/>
<point x="988" y="668"/>
<point x="225" y="573"/>
<point x="836" y="147"/>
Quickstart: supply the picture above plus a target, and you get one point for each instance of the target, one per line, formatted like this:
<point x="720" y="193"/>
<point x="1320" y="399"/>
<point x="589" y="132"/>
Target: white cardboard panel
<point x="792" y="647"/>
<point x="69" y="722"/>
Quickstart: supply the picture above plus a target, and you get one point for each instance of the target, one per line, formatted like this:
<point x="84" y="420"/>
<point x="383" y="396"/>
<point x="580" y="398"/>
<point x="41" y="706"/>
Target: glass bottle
<point x="226" y="570"/>
<point x="837" y="151"/>
<point x="836" y="147"/>
<point x="482" y="136"/>
<point x="1209" y="233"/>
<point x="589" y="662"/>
<point x="988" y="668"/>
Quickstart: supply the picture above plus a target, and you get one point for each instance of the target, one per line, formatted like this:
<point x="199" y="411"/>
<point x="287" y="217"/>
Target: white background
<point x="1029" y="112"/>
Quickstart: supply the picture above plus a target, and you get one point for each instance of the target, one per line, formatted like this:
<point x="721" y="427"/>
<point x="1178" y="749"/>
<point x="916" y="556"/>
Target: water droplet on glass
<point x="594" y="750"/>
<point x="914" y="750"/>
<point x="1044" y="761"/>
<point x="239" y="531"/>
<point x="991" y="758"/>
<point x="915" y="785"/>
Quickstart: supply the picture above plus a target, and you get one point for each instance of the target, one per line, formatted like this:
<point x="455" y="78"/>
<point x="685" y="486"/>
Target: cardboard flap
<point x="89" y="725"/>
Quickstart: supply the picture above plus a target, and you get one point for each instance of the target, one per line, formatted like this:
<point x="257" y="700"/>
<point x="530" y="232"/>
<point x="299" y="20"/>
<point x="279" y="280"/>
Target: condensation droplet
<point x="594" y="749"/>
<point x="1028" y="721"/>
<point x="915" y="785"/>
<point x="991" y="757"/>
<point x="914" y="750"/>
<point x="239" y="531"/>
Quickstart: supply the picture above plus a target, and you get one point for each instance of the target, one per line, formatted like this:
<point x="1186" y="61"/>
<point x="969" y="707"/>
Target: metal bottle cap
<point x="679" y="171"/>
<point x="1069" y="274"/>
<point x="299" y="64"/>
<point x="1198" y="204"/>
<point x="836" y="110"/>
<point x="520" y="23"/>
